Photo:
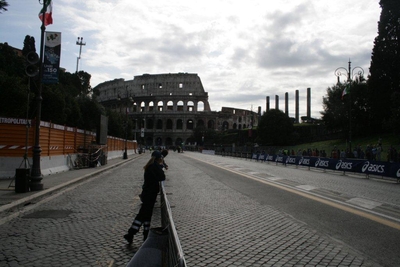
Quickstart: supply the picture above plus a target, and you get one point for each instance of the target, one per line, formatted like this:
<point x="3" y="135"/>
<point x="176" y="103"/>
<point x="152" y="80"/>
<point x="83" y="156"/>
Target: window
<point x="160" y="105"/>
<point x="150" y="124"/>
<point x="180" y="106"/>
<point x="179" y="124"/>
<point x="151" y="106"/>
<point x="210" y="124"/>
<point x="200" y="106"/>
<point x="159" y="124"/>
<point x="189" y="124"/>
<point x="190" y="106"/>
<point x="170" y="105"/>
<point x="169" y="124"/>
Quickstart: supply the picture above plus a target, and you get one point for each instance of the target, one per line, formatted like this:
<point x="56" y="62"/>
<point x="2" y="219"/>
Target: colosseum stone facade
<point x="165" y="108"/>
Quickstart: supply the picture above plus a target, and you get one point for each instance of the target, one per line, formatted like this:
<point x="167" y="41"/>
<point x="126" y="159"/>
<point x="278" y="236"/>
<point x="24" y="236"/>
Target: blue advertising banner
<point x="395" y="170"/>
<point x="280" y="159"/>
<point x="269" y="157"/>
<point x="292" y="160"/>
<point x="52" y="52"/>
<point x="306" y="161"/>
<point x="324" y="163"/>
<point x="376" y="168"/>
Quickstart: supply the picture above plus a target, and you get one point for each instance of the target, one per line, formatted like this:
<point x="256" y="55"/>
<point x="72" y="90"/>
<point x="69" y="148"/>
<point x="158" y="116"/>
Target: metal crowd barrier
<point x="365" y="167"/>
<point x="175" y="256"/>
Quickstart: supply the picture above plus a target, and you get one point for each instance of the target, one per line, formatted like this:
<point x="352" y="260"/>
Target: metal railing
<point x="175" y="256"/>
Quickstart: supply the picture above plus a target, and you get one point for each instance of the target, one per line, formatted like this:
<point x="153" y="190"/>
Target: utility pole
<point x="80" y="43"/>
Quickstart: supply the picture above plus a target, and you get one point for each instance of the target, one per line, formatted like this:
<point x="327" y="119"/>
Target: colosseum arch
<point x="190" y="106"/>
<point x="159" y="124"/>
<point x="180" y="105"/>
<point x="190" y="124"/>
<point x="211" y="124"/>
<point x="170" y="105"/>
<point x="179" y="124"/>
<point x="160" y="106"/>
<point x="200" y="106"/>
<point x="142" y="106"/>
<point x="151" y="106"/>
<point x="169" y="124"/>
<point x="150" y="124"/>
<point x="225" y="126"/>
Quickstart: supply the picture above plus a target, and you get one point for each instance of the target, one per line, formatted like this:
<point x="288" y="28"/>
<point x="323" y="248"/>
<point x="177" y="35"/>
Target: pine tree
<point x="384" y="79"/>
<point x="3" y="5"/>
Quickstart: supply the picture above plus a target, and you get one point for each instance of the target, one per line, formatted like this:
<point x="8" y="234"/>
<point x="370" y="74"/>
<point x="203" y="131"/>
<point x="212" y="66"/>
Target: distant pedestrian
<point x="153" y="175"/>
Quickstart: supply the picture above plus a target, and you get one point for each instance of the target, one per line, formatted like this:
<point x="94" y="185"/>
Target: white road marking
<point x="365" y="203"/>
<point x="307" y="187"/>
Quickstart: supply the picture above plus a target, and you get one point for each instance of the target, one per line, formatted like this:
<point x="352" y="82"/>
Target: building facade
<point x="165" y="108"/>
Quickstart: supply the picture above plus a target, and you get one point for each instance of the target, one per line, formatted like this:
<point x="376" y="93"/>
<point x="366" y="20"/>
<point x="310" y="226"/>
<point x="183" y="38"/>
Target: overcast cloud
<point x="243" y="51"/>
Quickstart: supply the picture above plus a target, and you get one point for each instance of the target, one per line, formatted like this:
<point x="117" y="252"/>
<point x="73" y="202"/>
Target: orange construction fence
<point x="17" y="136"/>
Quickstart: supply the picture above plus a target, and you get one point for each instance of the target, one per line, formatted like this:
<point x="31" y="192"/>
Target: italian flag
<point x="47" y="12"/>
<point x="346" y="90"/>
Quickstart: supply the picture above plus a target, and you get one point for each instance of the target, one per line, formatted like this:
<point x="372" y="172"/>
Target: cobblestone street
<point x="217" y="225"/>
<point x="81" y="227"/>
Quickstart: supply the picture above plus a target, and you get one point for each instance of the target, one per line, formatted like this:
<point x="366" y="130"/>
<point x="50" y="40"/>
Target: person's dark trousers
<point x="142" y="218"/>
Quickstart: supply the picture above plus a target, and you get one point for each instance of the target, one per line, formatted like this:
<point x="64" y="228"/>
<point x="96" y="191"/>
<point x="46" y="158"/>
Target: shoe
<point x="129" y="238"/>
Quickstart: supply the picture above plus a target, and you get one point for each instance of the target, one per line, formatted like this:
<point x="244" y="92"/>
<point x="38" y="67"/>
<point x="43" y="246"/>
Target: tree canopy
<point x="384" y="79"/>
<point x="69" y="102"/>
<point x="3" y="5"/>
<point x="275" y="128"/>
<point x="338" y="108"/>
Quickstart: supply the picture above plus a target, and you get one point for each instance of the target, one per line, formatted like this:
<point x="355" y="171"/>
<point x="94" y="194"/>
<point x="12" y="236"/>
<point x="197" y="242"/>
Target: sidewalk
<point x="11" y="201"/>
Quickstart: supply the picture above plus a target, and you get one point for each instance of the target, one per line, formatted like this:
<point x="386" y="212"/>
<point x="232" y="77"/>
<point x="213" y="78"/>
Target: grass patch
<point x="387" y="141"/>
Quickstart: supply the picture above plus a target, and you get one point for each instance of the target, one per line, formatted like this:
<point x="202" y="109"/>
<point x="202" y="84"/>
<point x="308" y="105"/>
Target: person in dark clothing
<point x="164" y="153"/>
<point x="153" y="174"/>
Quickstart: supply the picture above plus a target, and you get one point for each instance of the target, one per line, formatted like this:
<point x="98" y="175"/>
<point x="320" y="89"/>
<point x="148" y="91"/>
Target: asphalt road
<point x="325" y="208"/>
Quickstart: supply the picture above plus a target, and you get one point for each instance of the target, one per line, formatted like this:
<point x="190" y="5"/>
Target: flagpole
<point x="36" y="173"/>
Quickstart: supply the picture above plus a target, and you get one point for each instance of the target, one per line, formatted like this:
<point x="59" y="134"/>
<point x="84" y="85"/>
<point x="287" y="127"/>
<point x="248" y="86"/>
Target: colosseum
<point x="165" y="108"/>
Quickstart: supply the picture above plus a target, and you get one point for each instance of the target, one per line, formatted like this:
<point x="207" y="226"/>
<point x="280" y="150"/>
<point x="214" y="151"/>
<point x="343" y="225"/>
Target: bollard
<point x="153" y="250"/>
<point x="22" y="180"/>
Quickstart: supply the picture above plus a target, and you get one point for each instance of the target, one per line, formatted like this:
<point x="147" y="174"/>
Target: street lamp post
<point x="349" y="74"/>
<point x="126" y="134"/>
<point x="127" y="100"/>
<point x="36" y="172"/>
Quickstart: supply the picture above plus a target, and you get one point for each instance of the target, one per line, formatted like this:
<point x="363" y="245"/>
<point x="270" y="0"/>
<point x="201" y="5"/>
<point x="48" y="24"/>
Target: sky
<point x="243" y="51"/>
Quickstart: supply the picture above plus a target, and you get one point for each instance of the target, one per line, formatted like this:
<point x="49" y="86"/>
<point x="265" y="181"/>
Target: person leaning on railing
<point x="153" y="175"/>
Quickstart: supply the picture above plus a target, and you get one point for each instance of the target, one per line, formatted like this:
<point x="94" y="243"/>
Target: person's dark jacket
<point x="153" y="175"/>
